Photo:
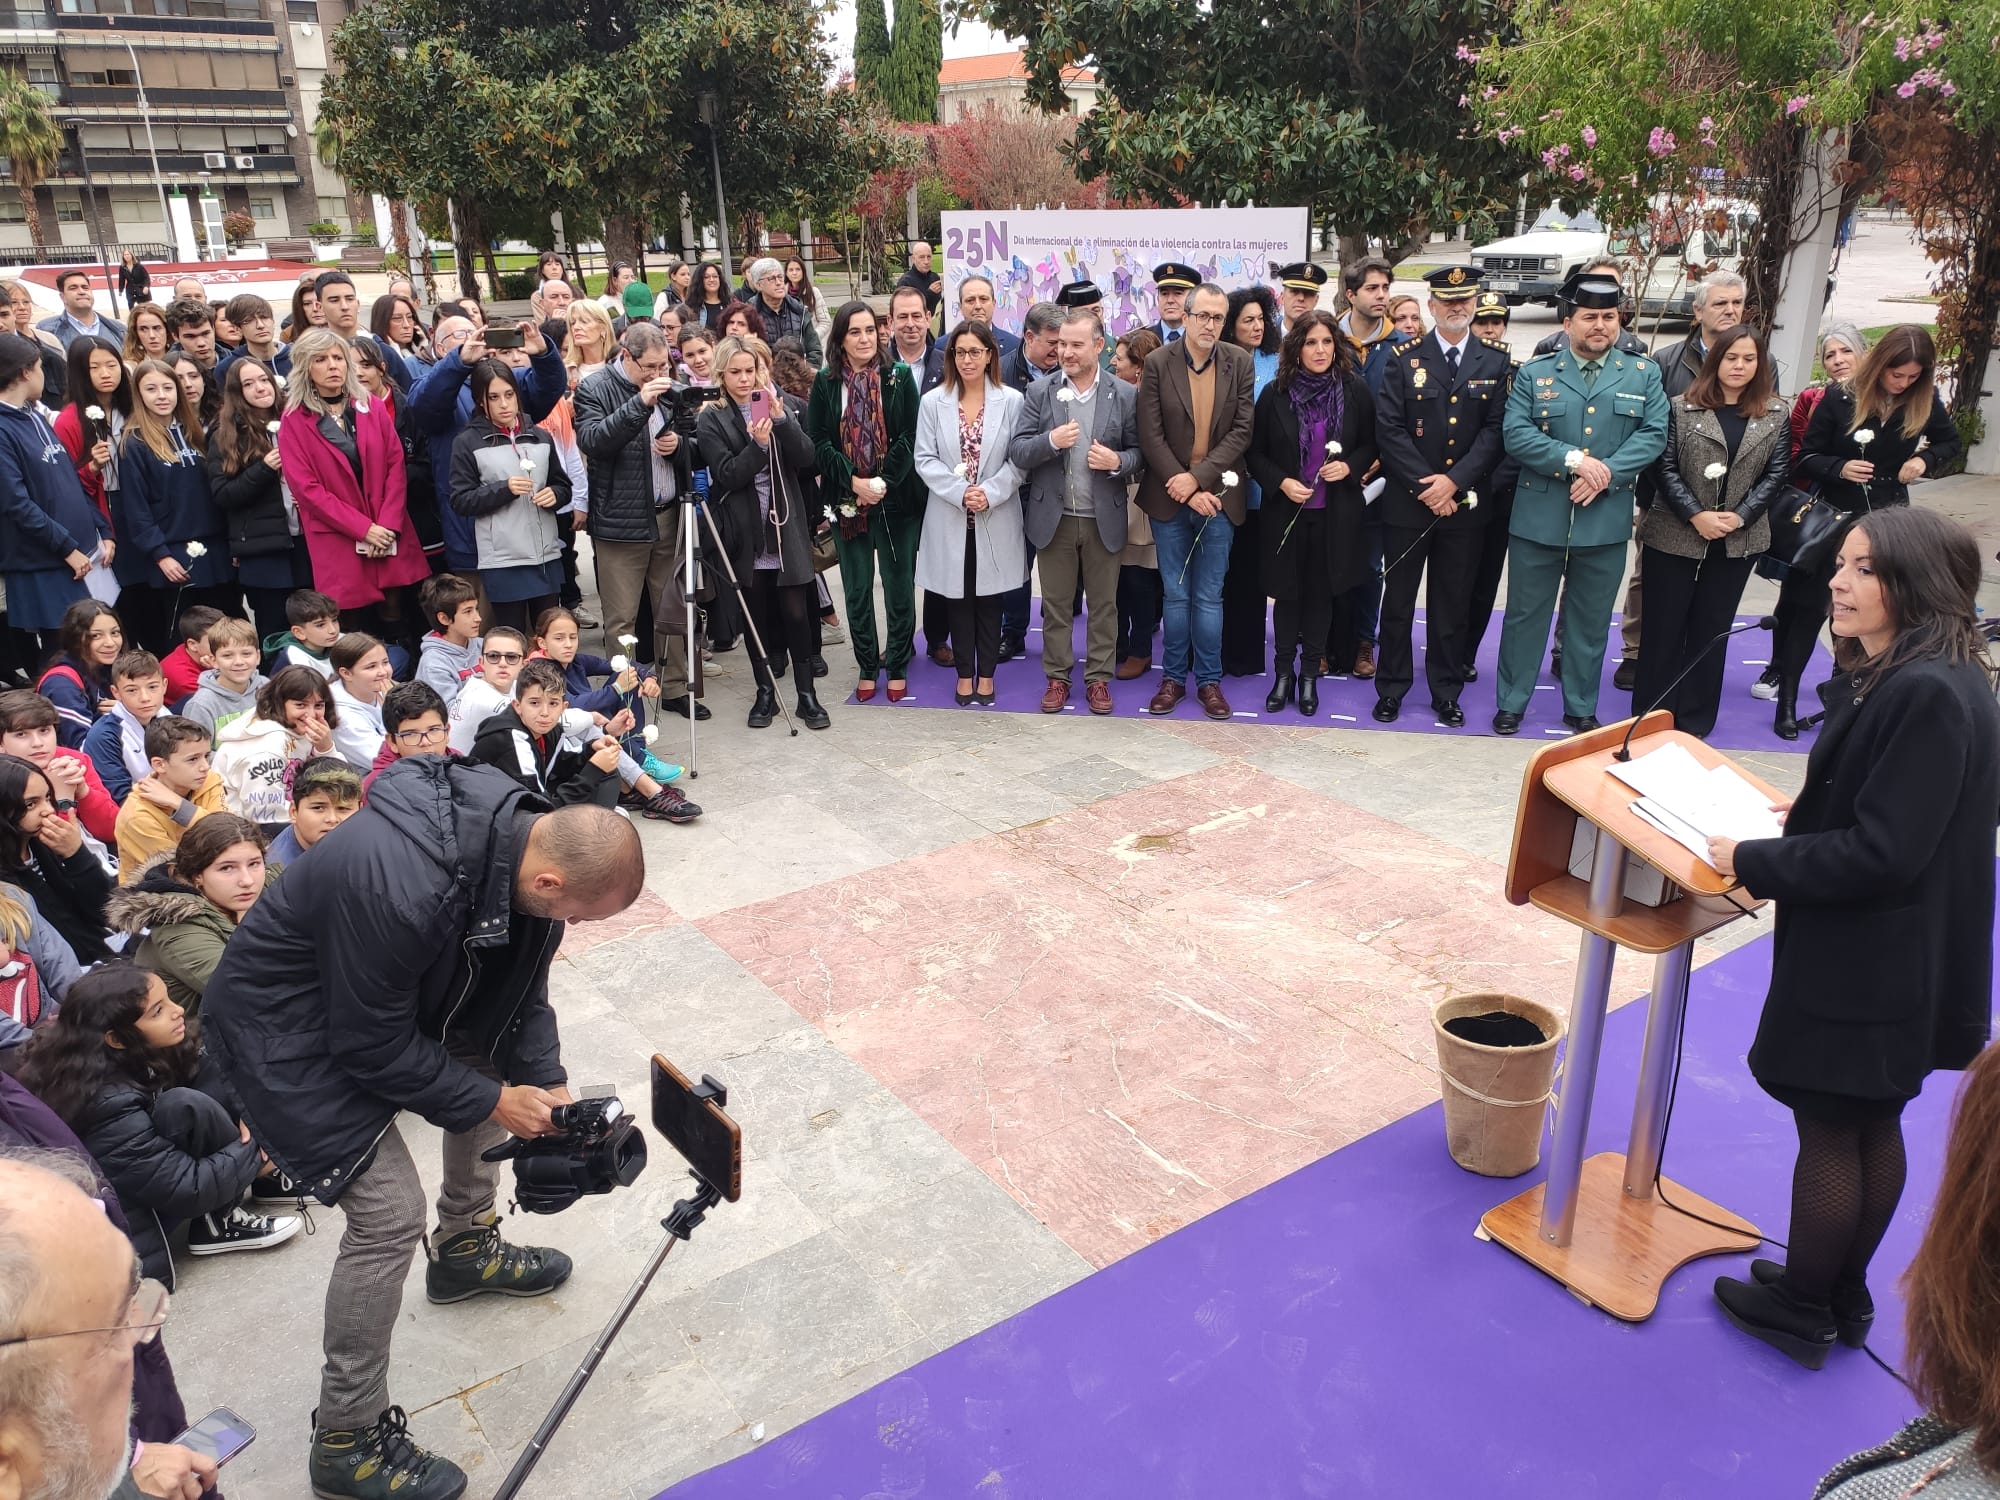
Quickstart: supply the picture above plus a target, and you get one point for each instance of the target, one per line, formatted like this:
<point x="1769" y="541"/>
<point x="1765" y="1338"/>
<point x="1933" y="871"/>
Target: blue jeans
<point x="1194" y="556"/>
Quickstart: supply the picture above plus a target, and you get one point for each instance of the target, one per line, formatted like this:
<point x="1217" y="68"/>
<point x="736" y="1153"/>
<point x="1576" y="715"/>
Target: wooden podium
<point x="1599" y="1226"/>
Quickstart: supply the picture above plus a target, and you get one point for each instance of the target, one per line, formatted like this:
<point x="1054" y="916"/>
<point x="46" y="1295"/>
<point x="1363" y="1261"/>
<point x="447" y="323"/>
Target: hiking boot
<point x="238" y="1229"/>
<point x="668" y="805"/>
<point x="379" y="1463"/>
<point x="478" y="1260"/>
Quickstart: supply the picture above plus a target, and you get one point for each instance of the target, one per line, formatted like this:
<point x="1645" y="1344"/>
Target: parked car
<point x="1691" y="241"/>
<point x="1531" y="267"/>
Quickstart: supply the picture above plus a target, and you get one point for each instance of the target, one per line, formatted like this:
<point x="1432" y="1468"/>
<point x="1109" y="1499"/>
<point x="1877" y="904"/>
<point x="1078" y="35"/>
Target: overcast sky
<point x="970" y="40"/>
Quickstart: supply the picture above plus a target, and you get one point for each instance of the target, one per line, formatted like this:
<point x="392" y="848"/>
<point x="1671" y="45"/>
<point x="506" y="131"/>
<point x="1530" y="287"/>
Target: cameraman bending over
<point x="405" y="966"/>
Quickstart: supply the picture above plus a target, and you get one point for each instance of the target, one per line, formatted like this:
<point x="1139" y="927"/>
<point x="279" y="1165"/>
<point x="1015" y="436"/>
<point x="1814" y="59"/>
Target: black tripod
<point x="697" y="505"/>
<point x="686" y="1215"/>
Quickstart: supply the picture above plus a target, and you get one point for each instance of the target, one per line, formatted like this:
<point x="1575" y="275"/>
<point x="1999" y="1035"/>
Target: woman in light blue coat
<point x="974" y="546"/>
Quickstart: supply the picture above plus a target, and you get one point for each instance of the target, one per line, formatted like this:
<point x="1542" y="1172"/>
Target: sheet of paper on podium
<point x="1691" y="803"/>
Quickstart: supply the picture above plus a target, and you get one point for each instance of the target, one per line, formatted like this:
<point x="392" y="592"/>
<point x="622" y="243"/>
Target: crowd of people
<point x="258" y="560"/>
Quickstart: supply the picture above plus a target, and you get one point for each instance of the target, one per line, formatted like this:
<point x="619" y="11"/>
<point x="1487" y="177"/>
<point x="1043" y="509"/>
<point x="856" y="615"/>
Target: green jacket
<point x="906" y="498"/>
<point x="175" y="931"/>
<point x="1623" y="422"/>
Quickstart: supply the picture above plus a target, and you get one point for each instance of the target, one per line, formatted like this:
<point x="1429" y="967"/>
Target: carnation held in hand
<point x="1333" y="448"/>
<point x="1229" y="479"/>
<point x="272" y="427"/>
<point x="195" y="549"/>
<point x="619" y="665"/>
<point x="652" y="733"/>
<point x="1864" y="436"/>
<point x="1715" y="471"/>
<point x="95" y="413"/>
<point x="628" y="641"/>
<point x="1573" y="460"/>
<point x="1065" y="395"/>
<point x="527" y="466"/>
<point x="879" y="486"/>
<point x="1470" y="500"/>
<point x="958" y="472"/>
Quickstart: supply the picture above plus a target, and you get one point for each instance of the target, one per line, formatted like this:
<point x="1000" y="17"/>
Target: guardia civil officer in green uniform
<point x="1584" y="422"/>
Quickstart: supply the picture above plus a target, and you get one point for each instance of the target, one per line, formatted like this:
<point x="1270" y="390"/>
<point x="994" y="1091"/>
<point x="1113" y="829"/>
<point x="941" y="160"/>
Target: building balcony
<point x="150" y="26"/>
<point x="101" y="102"/>
<point x="135" y="168"/>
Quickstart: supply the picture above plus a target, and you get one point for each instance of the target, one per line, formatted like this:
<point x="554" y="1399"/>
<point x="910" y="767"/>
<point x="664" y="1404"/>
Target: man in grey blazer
<point x="1078" y="443"/>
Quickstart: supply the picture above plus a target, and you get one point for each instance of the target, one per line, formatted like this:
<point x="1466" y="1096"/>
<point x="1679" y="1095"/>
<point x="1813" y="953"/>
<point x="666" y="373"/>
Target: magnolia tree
<point x="1640" y="104"/>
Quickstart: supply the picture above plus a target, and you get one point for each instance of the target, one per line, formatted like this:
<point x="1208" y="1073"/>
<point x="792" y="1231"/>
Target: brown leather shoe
<point x="1057" y="695"/>
<point x="1134" y="666"/>
<point x="1168" y="698"/>
<point x="1098" y="696"/>
<point x="942" y="656"/>
<point x="1212" y="702"/>
<point x="1364" y="661"/>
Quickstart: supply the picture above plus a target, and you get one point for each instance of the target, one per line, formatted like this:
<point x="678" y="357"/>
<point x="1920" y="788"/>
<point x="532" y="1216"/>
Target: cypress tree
<point x="909" y="85"/>
<point x="871" y="46"/>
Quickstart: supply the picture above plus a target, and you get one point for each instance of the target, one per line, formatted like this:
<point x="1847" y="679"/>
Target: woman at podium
<point x="1882" y="958"/>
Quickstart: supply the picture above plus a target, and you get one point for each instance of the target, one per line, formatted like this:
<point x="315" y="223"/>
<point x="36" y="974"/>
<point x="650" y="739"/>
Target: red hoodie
<point x="94" y="809"/>
<point x="183" y="675"/>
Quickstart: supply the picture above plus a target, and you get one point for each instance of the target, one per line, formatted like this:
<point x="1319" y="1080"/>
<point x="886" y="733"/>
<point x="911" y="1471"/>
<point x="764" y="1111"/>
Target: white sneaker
<point x="239" y="1229"/>
<point x="832" y="635"/>
<point x="1765" y="687"/>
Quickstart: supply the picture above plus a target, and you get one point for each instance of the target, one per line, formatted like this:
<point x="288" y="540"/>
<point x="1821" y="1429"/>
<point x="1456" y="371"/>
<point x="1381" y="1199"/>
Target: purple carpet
<point x="1348" y="702"/>
<point x="1341" y="1333"/>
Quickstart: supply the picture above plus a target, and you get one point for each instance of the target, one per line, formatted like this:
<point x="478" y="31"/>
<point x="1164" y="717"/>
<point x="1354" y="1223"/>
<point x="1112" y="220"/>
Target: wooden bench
<point x="362" y="257"/>
<point x="290" y="250"/>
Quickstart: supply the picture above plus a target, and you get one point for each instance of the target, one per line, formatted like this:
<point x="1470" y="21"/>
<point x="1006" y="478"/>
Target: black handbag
<point x="1806" y="530"/>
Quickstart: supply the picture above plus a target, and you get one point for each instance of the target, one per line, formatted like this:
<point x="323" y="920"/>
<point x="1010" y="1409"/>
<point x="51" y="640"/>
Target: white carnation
<point x="1864" y="437"/>
<point x="879" y="486"/>
<point x="628" y="641"/>
<point x="1065" y="395"/>
<point x="195" y="549"/>
<point x="1229" y="478"/>
<point x="652" y="733"/>
<point x="1471" y="500"/>
<point x="95" y="413"/>
<point x="1333" y="448"/>
<point x="959" y="472"/>
<point x="1715" y="471"/>
<point x="272" y="427"/>
<point x="527" y="466"/>
<point x="1573" y="460"/>
<point x="620" y="665"/>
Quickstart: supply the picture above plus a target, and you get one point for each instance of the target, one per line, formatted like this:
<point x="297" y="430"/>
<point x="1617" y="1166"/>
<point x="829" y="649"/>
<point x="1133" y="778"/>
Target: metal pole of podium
<point x="1656" y="1068"/>
<point x="1588" y="1003"/>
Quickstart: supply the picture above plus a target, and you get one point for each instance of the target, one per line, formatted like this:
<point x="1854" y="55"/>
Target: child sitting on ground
<point x="449" y="655"/>
<point x="413" y="723"/>
<point x="180" y="791"/>
<point x="326" y="792"/>
<point x="181" y="909"/>
<point x="116" y="743"/>
<point x="315" y="622"/>
<point x="28" y="728"/>
<point x="77" y="679"/>
<point x="119" y="1067"/>
<point x="229" y="687"/>
<point x="488" y="690"/>
<point x="559" y="638"/>
<point x="184" y="665"/>
<point x="294" y="719"/>
<point x="528" y="742"/>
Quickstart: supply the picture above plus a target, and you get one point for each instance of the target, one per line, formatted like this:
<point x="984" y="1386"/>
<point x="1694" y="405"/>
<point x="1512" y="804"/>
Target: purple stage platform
<point x="1342" y="1334"/>
<point x="1348" y="703"/>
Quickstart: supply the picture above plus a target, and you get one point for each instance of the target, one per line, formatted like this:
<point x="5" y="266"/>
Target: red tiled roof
<point x="995" y="67"/>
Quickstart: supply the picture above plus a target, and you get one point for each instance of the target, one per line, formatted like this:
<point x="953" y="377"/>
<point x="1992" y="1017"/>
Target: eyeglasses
<point x="505" y="658"/>
<point x="969" y="351"/>
<point x="143" y="1316"/>
<point x="1207" y="317"/>
<point x="423" y="736"/>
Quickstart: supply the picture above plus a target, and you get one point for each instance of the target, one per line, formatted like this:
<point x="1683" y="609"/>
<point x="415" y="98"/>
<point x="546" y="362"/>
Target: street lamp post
<point x="152" y="153"/>
<point x="705" y="107"/>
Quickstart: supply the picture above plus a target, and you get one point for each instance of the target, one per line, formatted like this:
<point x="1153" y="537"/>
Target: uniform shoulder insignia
<point x="1406" y="344"/>
<point x="1639" y="364"/>
<point x="1496" y="344"/>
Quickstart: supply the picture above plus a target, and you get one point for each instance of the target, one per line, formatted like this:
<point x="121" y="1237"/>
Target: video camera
<point x="597" y="1147"/>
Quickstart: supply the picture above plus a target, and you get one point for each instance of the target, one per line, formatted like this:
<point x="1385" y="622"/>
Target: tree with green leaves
<point x="871" y="45"/>
<point x="909" y="86"/>
<point x="29" y="139"/>
<point x="512" y="108"/>
<point x="1340" y="104"/>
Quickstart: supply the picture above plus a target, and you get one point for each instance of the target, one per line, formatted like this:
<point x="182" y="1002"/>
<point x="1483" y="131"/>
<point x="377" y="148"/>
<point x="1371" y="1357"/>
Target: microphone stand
<point x="1767" y="622"/>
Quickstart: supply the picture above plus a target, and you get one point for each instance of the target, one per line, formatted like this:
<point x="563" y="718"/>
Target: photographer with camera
<point x="640" y="462"/>
<point x="405" y="967"/>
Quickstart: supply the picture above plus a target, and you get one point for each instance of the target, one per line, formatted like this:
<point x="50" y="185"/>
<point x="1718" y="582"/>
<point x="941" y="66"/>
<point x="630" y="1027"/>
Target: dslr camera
<point x="597" y="1147"/>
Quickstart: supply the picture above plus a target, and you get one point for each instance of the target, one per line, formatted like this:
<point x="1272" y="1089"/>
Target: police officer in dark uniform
<point x="1299" y="286"/>
<point x="1172" y="281"/>
<point x="1438" y="423"/>
<point x="1490" y="317"/>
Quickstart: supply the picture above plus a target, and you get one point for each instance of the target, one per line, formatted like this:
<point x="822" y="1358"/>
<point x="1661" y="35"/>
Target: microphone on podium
<point x="1767" y="622"/>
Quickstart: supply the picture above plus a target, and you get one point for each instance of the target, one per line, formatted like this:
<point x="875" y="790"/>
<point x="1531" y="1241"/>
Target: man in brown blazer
<point x="1196" y="396"/>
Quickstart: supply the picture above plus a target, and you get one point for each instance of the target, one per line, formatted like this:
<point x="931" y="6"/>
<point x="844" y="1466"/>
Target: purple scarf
<point x="1319" y="403"/>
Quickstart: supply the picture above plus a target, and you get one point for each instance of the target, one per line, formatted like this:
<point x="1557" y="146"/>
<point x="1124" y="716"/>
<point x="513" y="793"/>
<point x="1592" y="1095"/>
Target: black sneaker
<point x="669" y="806"/>
<point x="276" y="1191"/>
<point x="238" y="1229"/>
<point x="478" y="1260"/>
<point x="379" y="1463"/>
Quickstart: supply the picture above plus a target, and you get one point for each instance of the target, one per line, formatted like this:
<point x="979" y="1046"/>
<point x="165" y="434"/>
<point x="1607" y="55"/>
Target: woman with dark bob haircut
<point x="1882" y="958"/>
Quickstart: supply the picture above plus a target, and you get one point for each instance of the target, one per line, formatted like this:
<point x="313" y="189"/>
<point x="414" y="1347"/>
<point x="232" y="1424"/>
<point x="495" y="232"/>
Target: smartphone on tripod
<point x="693" y="1122"/>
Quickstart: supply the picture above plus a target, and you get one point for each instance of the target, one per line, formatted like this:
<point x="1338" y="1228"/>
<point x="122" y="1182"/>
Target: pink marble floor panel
<point x="1134" y="1012"/>
<point x="643" y="915"/>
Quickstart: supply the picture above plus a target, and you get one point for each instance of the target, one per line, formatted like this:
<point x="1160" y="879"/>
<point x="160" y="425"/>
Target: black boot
<point x="1786" y="725"/>
<point x="1853" y="1307"/>
<point x="1281" y="688"/>
<point x="1802" y="1331"/>
<point x="810" y="713"/>
<point x="1308" y="693"/>
<point x="765" y="709"/>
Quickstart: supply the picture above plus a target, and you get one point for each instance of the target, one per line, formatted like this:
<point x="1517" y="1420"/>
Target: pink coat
<point x="335" y="513"/>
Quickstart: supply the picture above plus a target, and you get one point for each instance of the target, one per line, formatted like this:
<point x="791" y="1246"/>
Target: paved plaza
<point x="999" y="999"/>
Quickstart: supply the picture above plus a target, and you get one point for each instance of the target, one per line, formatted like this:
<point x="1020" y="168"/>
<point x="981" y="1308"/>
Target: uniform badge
<point x="1419" y="377"/>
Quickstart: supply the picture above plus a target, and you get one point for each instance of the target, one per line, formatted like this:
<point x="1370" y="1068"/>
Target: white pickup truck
<point x="1531" y="267"/>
